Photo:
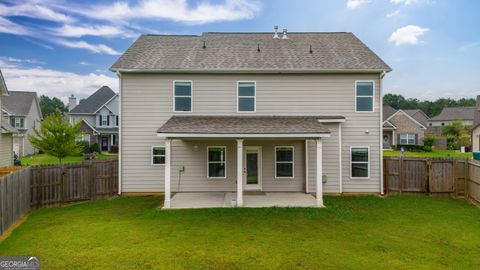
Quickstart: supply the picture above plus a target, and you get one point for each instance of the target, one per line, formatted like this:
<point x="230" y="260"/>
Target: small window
<point x="158" y="155"/>
<point x="407" y="139"/>
<point x="182" y="96"/>
<point x="103" y="120"/>
<point x="216" y="167"/>
<point x="360" y="162"/>
<point x="364" y="93"/>
<point x="18" y="122"/>
<point x="246" y="97"/>
<point x="284" y="164"/>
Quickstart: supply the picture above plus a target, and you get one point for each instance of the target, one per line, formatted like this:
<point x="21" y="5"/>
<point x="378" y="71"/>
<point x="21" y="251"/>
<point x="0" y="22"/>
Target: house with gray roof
<point x="450" y="114"/>
<point x="99" y="114"/>
<point x="218" y="116"/>
<point x="403" y="127"/>
<point x="22" y="111"/>
<point x="6" y="130"/>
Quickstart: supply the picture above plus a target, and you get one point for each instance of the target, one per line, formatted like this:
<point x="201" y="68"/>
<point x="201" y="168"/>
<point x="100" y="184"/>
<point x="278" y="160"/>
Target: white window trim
<point x="373" y="96"/>
<point x="408" y="136"/>
<point x="368" y="175"/>
<point x="254" y="97"/>
<point x="293" y="162"/>
<point x="20" y="122"/>
<point x="152" y="155"/>
<point x="208" y="162"/>
<point x="174" y="96"/>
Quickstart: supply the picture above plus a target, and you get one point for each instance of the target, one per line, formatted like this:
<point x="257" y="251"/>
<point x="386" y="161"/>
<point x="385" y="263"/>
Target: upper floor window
<point x="116" y="120"/>
<point x="182" y="96"/>
<point x="18" y="122"/>
<point x="246" y="92"/>
<point x="104" y="120"/>
<point x="364" y="93"/>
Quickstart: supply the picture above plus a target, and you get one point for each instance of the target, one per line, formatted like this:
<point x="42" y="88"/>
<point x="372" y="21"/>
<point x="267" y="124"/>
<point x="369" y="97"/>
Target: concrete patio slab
<point x="198" y="200"/>
<point x="227" y="199"/>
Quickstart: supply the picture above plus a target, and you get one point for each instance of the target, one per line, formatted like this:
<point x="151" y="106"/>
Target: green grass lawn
<point x="399" y="232"/>
<point x="433" y="154"/>
<point x="44" y="159"/>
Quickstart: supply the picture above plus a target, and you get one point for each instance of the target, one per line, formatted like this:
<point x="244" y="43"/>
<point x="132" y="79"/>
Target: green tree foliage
<point x="50" y="105"/>
<point x="457" y="135"/>
<point x="56" y="137"/>
<point x="431" y="108"/>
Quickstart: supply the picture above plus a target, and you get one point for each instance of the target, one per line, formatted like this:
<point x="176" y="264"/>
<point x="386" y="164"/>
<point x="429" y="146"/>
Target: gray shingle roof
<point x="238" y="51"/>
<point x="18" y="102"/>
<point x="246" y="125"/>
<point x="476" y="117"/>
<point x="388" y="111"/>
<point x="94" y="101"/>
<point x="418" y="115"/>
<point x="455" y="113"/>
<point x="7" y="128"/>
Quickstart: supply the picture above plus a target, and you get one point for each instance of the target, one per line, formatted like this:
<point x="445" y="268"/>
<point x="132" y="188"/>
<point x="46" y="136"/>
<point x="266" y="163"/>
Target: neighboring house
<point x="6" y="130"/>
<point x="22" y="111"/>
<point x="100" y="117"/>
<point x="476" y="127"/>
<point x="406" y="127"/>
<point x="450" y="114"/>
<point x="249" y="111"/>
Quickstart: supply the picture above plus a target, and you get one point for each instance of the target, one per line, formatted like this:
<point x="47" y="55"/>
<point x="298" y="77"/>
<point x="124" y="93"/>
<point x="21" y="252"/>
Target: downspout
<point x="381" y="130"/>
<point x="119" y="75"/>
<point x="340" y="172"/>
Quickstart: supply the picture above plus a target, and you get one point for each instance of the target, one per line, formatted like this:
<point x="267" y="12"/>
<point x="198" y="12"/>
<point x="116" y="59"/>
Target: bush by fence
<point x="53" y="185"/>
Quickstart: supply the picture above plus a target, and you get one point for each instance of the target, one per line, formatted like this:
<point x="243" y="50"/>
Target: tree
<point x="56" y="136"/>
<point x="50" y="105"/>
<point x="457" y="135"/>
<point x="430" y="108"/>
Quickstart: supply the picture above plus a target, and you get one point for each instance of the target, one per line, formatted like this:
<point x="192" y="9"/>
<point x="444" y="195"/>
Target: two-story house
<point x="6" y="130"/>
<point x="22" y="111"/>
<point x="100" y="117"/>
<point x="263" y="112"/>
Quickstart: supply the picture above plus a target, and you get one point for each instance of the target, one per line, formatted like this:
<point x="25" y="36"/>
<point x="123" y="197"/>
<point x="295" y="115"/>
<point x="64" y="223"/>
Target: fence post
<point x="62" y="183"/>
<point x="454" y="176"/>
<point x="90" y="179"/>
<point x="467" y="178"/>
<point x="401" y="175"/>
<point x="385" y="176"/>
<point x="429" y="183"/>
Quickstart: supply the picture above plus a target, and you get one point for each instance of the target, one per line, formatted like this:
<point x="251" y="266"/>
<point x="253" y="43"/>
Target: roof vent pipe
<point x="284" y="34"/>
<point x="275" y="35"/>
<point x="204" y="44"/>
<point x="311" y="51"/>
<point x="258" y="47"/>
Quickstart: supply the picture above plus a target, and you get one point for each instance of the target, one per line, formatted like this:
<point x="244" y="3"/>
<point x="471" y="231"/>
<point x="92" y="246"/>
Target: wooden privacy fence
<point x="458" y="177"/>
<point x="53" y="185"/>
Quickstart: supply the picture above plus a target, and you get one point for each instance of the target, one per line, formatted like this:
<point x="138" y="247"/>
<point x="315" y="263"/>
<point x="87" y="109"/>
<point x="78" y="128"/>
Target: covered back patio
<point x="244" y="132"/>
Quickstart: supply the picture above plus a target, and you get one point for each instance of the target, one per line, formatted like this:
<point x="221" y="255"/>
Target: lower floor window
<point x="359" y="162"/>
<point x="284" y="162"/>
<point x="216" y="167"/>
<point x="158" y="155"/>
<point x="407" y="139"/>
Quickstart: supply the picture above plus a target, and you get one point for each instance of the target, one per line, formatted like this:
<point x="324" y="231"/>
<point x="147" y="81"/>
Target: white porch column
<point x="168" y="150"/>
<point x="239" y="172"/>
<point x="319" y="182"/>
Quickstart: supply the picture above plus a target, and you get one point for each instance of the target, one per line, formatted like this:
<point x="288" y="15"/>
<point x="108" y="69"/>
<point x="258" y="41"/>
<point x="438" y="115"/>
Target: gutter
<point x="119" y="75"/>
<point x="260" y="71"/>
<point x="380" y="82"/>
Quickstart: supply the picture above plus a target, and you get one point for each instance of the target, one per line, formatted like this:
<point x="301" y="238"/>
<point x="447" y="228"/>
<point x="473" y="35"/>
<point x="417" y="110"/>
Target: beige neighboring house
<point x="240" y="112"/>
<point x="476" y="127"/>
<point x="22" y="110"/>
<point x="6" y="130"/>
<point x="406" y="127"/>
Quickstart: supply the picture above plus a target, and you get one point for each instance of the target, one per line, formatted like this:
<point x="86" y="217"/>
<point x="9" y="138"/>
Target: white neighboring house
<point x="450" y="114"/>
<point x="6" y="130"/>
<point x="22" y="111"/>
<point x="229" y="112"/>
<point x="99" y="116"/>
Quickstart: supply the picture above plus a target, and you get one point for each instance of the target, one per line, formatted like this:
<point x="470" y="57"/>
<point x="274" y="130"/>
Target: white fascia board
<point x="202" y="135"/>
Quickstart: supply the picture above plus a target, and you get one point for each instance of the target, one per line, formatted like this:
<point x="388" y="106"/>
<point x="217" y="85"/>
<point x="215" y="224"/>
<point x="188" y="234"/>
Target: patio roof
<point x="246" y="126"/>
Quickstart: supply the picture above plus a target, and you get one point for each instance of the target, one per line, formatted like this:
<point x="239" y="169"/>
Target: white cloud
<point x="354" y="4"/>
<point x="34" y="10"/>
<point x="18" y="60"/>
<point x="95" y="48"/>
<point x="9" y="27"/>
<point x="393" y="14"/>
<point x="469" y="46"/>
<point x="54" y="82"/>
<point x="407" y="35"/>
<point x="175" y="10"/>
<point x="86" y="30"/>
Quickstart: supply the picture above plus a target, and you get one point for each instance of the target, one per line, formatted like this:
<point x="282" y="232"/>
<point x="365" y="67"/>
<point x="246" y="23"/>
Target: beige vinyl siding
<point x="32" y="117"/>
<point x="6" y="150"/>
<point x="476" y="139"/>
<point x="147" y="104"/>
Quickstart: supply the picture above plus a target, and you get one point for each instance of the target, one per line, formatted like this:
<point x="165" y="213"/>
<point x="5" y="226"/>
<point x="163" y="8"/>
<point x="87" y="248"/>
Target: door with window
<point x="104" y="143"/>
<point x="252" y="162"/>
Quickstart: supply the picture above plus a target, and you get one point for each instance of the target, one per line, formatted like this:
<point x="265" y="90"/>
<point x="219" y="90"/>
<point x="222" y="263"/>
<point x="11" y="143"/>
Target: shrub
<point x="427" y="148"/>
<point x="85" y="146"/>
<point x="410" y="147"/>
<point x="429" y="141"/>
<point x="16" y="160"/>
<point x="94" y="148"/>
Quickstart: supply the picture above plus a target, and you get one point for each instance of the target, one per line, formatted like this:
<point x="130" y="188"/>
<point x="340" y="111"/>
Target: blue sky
<point x="60" y="47"/>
